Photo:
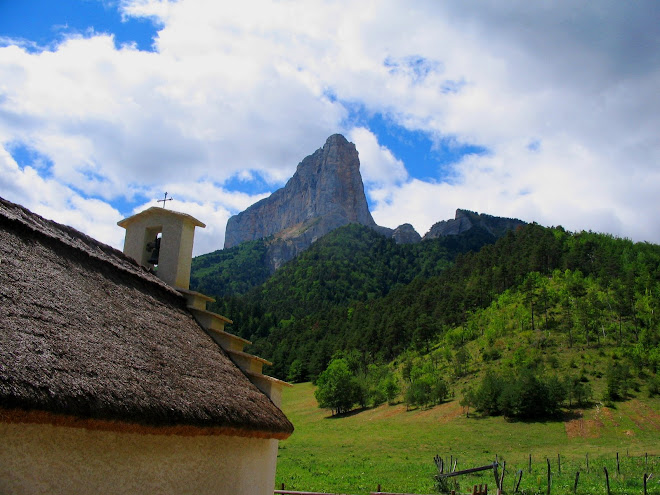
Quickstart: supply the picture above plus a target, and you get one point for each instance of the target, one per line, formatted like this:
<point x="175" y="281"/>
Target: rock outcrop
<point x="406" y="234"/>
<point x="465" y="220"/>
<point x="326" y="192"/>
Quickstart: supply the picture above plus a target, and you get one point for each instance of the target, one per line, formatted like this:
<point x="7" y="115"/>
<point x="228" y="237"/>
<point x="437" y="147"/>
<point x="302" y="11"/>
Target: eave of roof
<point x="86" y="332"/>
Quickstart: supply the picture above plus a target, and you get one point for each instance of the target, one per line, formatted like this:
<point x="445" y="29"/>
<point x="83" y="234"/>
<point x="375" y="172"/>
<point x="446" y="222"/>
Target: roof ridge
<point x="80" y="242"/>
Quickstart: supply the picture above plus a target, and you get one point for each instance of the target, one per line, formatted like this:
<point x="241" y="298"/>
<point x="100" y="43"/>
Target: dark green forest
<point x="447" y="308"/>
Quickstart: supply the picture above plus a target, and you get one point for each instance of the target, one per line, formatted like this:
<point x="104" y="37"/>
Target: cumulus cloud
<point x="561" y="95"/>
<point x="52" y="200"/>
<point x="378" y="165"/>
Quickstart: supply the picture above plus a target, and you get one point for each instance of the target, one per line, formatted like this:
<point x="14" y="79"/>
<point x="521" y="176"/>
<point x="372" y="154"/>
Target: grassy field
<point x="395" y="448"/>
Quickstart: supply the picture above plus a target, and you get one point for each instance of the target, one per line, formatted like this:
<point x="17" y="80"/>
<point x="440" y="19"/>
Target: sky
<point x="546" y="111"/>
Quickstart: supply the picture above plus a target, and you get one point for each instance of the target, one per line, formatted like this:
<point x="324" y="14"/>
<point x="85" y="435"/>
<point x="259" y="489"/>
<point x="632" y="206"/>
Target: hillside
<point x="356" y="291"/>
<point x="300" y="312"/>
<point x="394" y="447"/>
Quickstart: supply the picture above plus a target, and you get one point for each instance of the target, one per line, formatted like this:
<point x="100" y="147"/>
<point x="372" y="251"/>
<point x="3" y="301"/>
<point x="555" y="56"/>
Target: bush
<point x="426" y="387"/>
<point x="490" y="354"/>
<point x="523" y="395"/>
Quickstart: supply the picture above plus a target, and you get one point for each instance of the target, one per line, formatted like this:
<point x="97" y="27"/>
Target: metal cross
<point x="164" y="200"/>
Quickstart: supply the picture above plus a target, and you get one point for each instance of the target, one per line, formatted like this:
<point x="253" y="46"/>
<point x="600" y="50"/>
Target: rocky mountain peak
<point x="406" y="234"/>
<point x="326" y="192"/>
<point x="464" y="220"/>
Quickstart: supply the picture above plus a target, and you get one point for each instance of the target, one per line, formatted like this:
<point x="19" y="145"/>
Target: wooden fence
<point x="477" y="490"/>
<point x="546" y="473"/>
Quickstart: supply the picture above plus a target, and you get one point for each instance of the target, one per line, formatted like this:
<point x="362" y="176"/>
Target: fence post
<point x="500" y="485"/>
<point x="549" y="476"/>
<point x="558" y="464"/>
<point x="520" y="473"/>
<point x="645" y="479"/>
<point x="530" y="463"/>
<point x="577" y="477"/>
<point x="587" y="455"/>
<point x="607" y="480"/>
<point x="618" y="470"/>
<point x="495" y="474"/>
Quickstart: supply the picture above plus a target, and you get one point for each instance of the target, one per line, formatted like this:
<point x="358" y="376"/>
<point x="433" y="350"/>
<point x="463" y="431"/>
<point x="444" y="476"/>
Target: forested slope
<point x="460" y="304"/>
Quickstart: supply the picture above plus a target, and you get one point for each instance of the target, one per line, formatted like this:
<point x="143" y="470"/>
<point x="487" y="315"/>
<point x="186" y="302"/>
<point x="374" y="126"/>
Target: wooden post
<point x="500" y="485"/>
<point x="618" y="471"/>
<point x="577" y="477"/>
<point x="607" y="480"/>
<point x="282" y="486"/>
<point x="558" y="464"/>
<point x="378" y="489"/>
<point x="587" y="455"/>
<point x="520" y="473"/>
<point x="439" y="463"/>
<point x="530" y="463"/>
<point x="549" y="476"/>
<point x="645" y="480"/>
<point x="646" y="458"/>
<point x="495" y="474"/>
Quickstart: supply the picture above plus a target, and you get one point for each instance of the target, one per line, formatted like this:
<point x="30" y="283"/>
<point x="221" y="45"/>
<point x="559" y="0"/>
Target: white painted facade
<point x="48" y="459"/>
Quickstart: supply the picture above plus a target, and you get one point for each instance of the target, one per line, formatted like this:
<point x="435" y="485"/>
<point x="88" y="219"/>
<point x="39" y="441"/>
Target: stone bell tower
<point x="162" y="239"/>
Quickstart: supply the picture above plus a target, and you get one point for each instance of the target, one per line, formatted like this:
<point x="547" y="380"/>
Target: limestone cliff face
<point x="464" y="220"/>
<point x="326" y="192"/>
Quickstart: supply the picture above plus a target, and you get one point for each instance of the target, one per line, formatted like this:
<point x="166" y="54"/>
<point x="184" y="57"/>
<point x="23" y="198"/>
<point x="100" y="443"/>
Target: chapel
<point x="114" y="377"/>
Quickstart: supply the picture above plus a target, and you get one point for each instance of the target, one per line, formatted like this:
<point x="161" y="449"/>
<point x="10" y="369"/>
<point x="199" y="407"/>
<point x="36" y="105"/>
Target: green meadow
<point x="394" y="448"/>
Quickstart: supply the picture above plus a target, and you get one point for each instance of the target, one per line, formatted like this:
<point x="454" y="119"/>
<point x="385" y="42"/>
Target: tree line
<point x="355" y="291"/>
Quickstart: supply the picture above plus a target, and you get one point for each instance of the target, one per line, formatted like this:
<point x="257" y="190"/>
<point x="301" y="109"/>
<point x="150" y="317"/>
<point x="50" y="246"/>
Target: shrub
<point x="523" y="395"/>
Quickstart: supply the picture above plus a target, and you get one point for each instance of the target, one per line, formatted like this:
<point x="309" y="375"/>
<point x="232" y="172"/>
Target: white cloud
<point x="54" y="201"/>
<point x="378" y="165"/>
<point x="247" y="89"/>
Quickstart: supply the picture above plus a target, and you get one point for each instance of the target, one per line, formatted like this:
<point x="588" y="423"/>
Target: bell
<point x="154" y="249"/>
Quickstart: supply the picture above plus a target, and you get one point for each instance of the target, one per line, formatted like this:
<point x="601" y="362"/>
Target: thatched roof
<point x="86" y="332"/>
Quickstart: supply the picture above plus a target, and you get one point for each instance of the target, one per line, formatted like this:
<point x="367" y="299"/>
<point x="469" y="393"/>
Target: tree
<point x="618" y="382"/>
<point x="296" y="371"/>
<point x="337" y="388"/>
<point x="426" y="386"/>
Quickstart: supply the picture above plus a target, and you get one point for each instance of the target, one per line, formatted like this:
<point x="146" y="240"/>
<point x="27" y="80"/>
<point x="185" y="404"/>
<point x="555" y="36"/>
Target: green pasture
<point x="395" y="448"/>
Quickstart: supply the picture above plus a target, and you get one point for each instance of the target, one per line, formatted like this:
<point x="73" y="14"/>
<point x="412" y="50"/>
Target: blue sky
<point x="544" y="112"/>
<point x="47" y="22"/>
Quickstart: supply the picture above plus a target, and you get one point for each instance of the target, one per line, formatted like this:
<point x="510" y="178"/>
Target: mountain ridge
<point x="327" y="192"/>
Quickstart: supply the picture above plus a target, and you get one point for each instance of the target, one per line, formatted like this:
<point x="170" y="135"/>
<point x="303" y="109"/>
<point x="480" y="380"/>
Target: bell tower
<point x="162" y="239"/>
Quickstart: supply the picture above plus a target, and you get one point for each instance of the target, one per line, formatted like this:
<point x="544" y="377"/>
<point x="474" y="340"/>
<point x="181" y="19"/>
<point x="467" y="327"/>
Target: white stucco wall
<point x="38" y="458"/>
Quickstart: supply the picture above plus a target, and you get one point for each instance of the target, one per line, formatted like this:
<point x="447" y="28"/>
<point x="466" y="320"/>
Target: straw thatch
<point x="88" y="333"/>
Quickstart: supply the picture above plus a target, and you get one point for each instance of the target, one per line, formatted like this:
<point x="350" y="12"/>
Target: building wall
<point x="42" y="458"/>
